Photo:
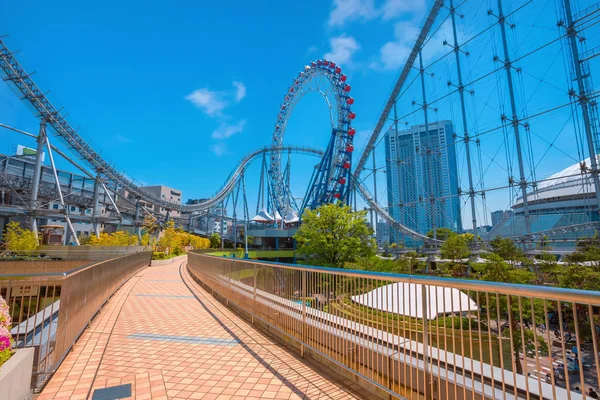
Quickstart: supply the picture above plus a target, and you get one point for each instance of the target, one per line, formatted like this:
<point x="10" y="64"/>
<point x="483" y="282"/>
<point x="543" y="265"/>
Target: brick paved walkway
<point x="162" y="340"/>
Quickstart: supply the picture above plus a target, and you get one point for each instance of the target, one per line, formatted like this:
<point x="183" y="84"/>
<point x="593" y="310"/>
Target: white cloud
<point x="363" y="10"/>
<point x="395" y="8"/>
<point x="351" y="10"/>
<point x="219" y="149"/>
<point x="393" y="54"/>
<point x="208" y="101"/>
<point x="240" y="92"/>
<point x="342" y="49"/>
<point x="225" y="131"/>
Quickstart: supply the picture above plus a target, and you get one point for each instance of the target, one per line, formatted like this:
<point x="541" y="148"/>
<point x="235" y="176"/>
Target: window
<point x="55" y="206"/>
<point x="73" y="208"/>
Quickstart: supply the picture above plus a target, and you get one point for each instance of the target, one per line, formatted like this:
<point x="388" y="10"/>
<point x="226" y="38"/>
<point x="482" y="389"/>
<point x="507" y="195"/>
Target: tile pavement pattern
<point x="169" y="341"/>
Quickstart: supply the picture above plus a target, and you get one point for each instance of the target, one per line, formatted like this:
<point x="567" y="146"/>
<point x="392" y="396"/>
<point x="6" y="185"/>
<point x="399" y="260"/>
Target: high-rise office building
<point x="383" y="233"/>
<point x="421" y="165"/>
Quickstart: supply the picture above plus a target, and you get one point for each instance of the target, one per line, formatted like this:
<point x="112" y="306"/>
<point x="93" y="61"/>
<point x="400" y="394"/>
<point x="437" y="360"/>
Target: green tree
<point x="441" y="233"/>
<point x="215" y="241"/>
<point x="333" y="235"/>
<point x="548" y="271"/>
<point x="496" y="269"/>
<point x="588" y="249"/>
<point x="579" y="277"/>
<point x="17" y="238"/>
<point x="506" y="249"/>
<point x="410" y="262"/>
<point x="455" y="248"/>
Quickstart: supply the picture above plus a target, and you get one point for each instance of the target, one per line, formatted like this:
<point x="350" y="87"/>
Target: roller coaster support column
<point x="222" y="223"/>
<point x="235" y="199"/>
<point x="429" y="151"/>
<point x="515" y="119"/>
<point x="583" y="99"/>
<point x="37" y="172"/>
<point x="245" y="216"/>
<point x="137" y="220"/>
<point x="461" y="92"/>
<point x="191" y="223"/>
<point x="96" y="207"/>
<point x="112" y="201"/>
<point x="60" y="195"/>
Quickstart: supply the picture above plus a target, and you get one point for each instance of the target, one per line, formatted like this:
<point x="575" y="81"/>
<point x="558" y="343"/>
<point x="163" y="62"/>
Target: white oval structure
<point x="407" y="299"/>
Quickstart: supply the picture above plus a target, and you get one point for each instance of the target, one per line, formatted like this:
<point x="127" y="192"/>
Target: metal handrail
<point x="82" y="291"/>
<point x="548" y="292"/>
<point x="498" y="341"/>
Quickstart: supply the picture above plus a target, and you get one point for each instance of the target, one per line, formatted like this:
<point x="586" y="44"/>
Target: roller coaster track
<point x="245" y="161"/>
<point x="16" y="74"/>
<point x="383" y="118"/>
<point x="30" y="91"/>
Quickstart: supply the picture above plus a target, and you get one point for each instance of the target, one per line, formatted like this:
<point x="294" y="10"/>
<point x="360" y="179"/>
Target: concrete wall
<point x="93" y="253"/>
<point x="19" y="267"/>
<point x="15" y="376"/>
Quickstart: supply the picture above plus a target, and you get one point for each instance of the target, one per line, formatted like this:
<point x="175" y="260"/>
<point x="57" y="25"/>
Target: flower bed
<point x="5" y="338"/>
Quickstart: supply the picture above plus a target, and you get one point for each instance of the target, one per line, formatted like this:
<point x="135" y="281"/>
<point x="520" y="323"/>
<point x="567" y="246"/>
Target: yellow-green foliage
<point x="118" y="238"/>
<point x="17" y="238"/>
<point x="175" y="240"/>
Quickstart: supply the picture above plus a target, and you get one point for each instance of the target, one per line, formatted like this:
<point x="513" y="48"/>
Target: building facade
<point x="168" y="194"/>
<point x="16" y="175"/>
<point x="383" y="233"/>
<point x="499" y="215"/>
<point x="420" y="166"/>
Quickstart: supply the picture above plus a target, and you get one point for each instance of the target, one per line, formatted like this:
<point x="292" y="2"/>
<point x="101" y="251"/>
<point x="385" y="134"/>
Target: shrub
<point x="158" y="255"/>
<point x="17" y="238"/>
<point x="119" y="238"/>
<point x="5" y="323"/>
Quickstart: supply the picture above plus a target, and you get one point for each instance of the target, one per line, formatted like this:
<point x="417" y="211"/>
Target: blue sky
<point x="175" y="93"/>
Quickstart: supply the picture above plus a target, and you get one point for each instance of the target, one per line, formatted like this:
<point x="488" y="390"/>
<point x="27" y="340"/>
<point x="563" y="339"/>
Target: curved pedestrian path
<point x="162" y="336"/>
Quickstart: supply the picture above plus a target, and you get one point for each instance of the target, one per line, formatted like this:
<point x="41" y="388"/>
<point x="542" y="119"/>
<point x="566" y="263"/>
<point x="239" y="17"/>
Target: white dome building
<point x="563" y="199"/>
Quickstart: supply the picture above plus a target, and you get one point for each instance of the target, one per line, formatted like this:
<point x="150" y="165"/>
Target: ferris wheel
<point x="330" y="179"/>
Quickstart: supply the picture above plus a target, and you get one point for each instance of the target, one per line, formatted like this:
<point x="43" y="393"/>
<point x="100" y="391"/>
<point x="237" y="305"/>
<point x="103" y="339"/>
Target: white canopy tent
<point x="263" y="216"/>
<point x="407" y="299"/>
<point x="291" y="217"/>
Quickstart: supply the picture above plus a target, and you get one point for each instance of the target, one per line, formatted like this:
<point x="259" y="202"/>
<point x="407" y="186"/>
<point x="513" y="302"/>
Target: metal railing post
<point x="426" y="363"/>
<point x="303" y="313"/>
<point x="254" y="294"/>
